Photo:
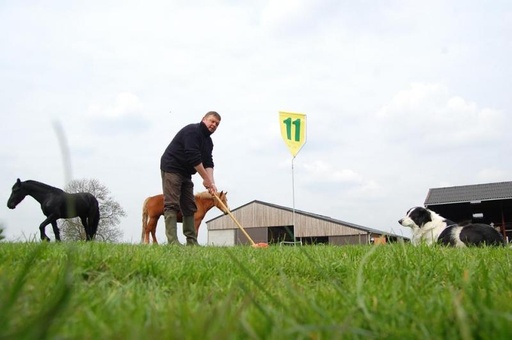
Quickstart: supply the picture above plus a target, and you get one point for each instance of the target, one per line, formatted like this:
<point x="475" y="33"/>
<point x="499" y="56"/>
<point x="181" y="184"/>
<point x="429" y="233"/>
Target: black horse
<point x="56" y="203"/>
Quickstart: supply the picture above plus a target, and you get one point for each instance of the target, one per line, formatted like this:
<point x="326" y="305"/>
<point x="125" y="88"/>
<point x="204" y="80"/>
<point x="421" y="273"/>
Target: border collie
<point x="430" y="228"/>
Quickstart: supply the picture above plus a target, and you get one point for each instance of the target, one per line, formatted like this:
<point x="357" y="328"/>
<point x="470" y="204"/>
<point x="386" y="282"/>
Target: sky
<point x="400" y="97"/>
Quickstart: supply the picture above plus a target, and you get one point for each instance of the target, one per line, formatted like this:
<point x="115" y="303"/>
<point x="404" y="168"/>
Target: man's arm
<point x="207" y="176"/>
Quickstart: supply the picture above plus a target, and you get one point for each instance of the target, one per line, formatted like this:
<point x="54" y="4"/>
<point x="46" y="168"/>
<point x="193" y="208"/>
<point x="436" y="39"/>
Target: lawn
<point x="124" y="291"/>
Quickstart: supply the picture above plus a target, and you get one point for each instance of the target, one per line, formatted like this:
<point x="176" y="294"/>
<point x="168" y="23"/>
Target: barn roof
<point x="315" y="216"/>
<point x="469" y="193"/>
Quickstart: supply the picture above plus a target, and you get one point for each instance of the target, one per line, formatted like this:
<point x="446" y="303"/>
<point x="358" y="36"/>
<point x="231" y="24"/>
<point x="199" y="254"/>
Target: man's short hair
<point x="212" y="113"/>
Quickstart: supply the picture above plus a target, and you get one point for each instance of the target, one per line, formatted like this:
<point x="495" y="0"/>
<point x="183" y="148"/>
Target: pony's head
<point x="224" y="199"/>
<point x="17" y="195"/>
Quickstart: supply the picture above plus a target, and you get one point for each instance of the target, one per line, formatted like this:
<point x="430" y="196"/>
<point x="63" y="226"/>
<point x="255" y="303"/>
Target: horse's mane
<point x="41" y="185"/>
<point x="204" y="195"/>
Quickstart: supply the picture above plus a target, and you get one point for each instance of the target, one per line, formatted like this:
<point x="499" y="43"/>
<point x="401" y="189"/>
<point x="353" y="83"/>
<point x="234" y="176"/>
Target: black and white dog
<point x="430" y="228"/>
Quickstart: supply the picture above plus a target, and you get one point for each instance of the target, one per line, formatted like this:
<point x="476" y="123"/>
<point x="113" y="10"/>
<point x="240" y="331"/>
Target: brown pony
<point x="153" y="208"/>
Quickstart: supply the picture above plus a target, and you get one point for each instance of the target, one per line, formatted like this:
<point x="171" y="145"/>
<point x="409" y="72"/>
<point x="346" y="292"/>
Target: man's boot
<point x="189" y="230"/>
<point x="171" y="227"/>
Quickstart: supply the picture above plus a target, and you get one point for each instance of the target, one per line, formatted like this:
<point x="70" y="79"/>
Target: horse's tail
<point x="144" y="218"/>
<point x="94" y="217"/>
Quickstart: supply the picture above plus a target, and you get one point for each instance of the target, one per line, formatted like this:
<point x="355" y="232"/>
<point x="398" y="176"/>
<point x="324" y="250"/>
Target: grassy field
<point x="121" y="291"/>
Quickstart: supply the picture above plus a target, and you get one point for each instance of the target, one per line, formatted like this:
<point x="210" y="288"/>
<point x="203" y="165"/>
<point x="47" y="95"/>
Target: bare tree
<point x="1" y="232"/>
<point x="110" y="213"/>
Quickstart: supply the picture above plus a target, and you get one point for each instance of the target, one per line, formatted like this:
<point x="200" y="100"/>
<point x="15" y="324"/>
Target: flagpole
<point x="293" y="200"/>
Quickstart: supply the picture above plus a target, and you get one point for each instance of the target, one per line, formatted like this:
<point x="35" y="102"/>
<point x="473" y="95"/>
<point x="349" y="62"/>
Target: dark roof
<point x="470" y="193"/>
<point x="317" y="216"/>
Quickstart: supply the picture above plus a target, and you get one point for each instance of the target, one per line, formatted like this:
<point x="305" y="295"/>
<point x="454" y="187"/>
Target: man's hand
<point x="212" y="189"/>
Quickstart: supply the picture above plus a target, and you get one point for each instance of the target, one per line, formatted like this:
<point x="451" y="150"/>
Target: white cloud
<point x="127" y="114"/>
<point x="125" y="104"/>
<point x="490" y="173"/>
<point x="279" y="14"/>
<point x="428" y="113"/>
<point x="322" y="171"/>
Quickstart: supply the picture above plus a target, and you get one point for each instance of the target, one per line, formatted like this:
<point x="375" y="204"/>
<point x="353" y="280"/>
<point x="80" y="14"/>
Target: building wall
<point x="221" y="237"/>
<point x="258" y="215"/>
<point x="350" y="239"/>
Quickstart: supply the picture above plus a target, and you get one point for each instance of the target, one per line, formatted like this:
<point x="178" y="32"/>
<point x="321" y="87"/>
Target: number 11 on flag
<point x="293" y="130"/>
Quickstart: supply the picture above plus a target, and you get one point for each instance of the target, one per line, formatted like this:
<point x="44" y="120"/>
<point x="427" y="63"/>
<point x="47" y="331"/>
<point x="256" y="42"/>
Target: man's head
<point x="212" y="120"/>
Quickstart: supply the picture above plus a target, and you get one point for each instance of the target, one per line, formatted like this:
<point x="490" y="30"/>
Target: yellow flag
<point x="293" y="130"/>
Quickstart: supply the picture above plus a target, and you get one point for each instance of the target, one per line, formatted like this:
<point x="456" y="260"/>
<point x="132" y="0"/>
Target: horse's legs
<point x="146" y="231"/>
<point x="43" y="225"/>
<point x="151" y="229"/>
<point x="56" y="231"/>
<point x="153" y="235"/>
<point x="88" y="236"/>
<point x="146" y="235"/>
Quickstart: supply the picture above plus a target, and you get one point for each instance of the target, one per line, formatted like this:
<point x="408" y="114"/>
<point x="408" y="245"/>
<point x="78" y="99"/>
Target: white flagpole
<point x="293" y="200"/>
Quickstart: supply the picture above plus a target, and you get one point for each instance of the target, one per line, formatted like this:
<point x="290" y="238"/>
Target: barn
<point x="274" y="224"/>
<point x="489" y="203"/>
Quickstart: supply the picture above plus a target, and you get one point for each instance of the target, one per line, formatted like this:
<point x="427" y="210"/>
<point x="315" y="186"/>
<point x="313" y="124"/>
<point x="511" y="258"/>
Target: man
<point x="189" y="152"/>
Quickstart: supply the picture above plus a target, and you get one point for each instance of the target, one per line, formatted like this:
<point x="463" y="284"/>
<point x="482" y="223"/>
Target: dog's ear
<point x="420" y="216"/>
<point x="424" y="217"/>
